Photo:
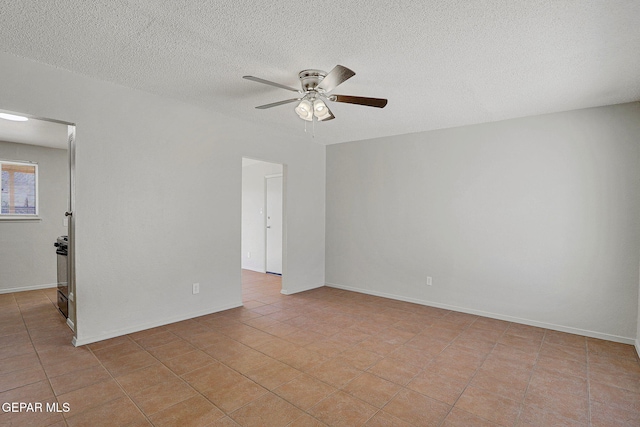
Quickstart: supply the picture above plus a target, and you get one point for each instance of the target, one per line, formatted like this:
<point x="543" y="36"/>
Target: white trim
<point x="307" y="288"/>
<point x="282" y="219"/>
<point x="37" y="189"/>
<point x="70" y="324"/>
<point x="141" y="327"/>
<point x="638" y="347"/>
<point x="28" y="288"/>
<point x="253" y="269"/>
<point x="507" y="318"/>
<point x="246" y="161"/>
<point x="71" y="222"/>
<point x="17" y="218"/>
<point x="18" y="162"/>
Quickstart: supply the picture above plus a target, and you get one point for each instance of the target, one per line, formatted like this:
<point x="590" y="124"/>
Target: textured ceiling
<point x="440" y="63"/>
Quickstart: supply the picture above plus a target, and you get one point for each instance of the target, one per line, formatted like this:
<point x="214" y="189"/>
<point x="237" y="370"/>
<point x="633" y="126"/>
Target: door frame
<point x="284" y="217"/>
<point x="266" y="177"/>
<point x="71" y="231"/>
<point x="71" y="181"/>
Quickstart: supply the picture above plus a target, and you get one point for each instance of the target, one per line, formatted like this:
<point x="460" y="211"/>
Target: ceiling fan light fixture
<point x="320" y="110"/>
<point x="317" y="86"/>
<point x="305" y="110"/>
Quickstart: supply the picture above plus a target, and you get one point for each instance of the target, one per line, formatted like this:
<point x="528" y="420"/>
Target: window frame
<point x="15" y="216"/>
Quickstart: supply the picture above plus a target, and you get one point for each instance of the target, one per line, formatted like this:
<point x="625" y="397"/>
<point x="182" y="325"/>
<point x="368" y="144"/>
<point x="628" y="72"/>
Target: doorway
<point x="263" y="219"/>
<point x="49" y="145"/>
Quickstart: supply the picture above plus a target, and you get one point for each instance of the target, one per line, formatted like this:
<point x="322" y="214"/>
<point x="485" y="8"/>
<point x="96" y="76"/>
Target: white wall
<point x="159" y="198"/>
<point x="253" y="224"/>
<point x="27" y="256"/>
<point x="535" y="219"/>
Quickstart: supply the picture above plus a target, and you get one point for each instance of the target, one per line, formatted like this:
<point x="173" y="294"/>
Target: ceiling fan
<point x="316" y="85"/>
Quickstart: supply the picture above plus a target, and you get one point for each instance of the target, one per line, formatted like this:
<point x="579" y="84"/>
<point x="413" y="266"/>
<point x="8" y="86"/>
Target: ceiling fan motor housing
<point x="310" y="79"/>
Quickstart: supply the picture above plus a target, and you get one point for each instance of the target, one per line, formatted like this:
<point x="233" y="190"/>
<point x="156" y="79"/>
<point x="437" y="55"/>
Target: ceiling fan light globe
<point x="320" y="110"/>
<point x="308" y="116"/>
<point x="304" y="108"/>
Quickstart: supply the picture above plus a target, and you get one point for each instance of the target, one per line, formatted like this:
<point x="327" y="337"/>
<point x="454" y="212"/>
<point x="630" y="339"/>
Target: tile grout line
<point x="586" y="344"/>
<point x="271" y="391"/>
<point x="119" y="385"/>
<point x="326" y="308"/>
<point x="378" y="410"/>
<point x="533" y="371"/>
<point x="147" y="417"/>
<point x="301" y="372"/>
<point x="228" y="414"/>
<point x="198" y="392"/>
<point x="38" y="353"/>
<point x="476" y="371"/>
<point x="175" y="375"/>
<point x="338" y="389"/>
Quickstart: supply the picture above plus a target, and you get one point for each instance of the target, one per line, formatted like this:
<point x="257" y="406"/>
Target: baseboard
<point x="70" y="324"/>
<point x="88" y="340"/>
<point x="308" y="288"/>
<point x="28" y="288"/>
<point x="560" y="328"/>
<point x="638" y="348"/>
<point x="253" y="269"/>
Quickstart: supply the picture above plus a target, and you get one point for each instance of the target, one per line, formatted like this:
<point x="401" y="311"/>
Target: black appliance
<point x="62" y="252"/>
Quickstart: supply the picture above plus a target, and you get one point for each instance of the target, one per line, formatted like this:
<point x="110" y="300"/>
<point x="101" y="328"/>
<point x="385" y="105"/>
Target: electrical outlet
<point x="196" y="288"/>
<point x="429" y="281"/>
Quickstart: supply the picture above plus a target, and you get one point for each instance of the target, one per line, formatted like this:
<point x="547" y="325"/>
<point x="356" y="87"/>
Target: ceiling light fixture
<point x="305" y="110"/>
<point x="314" y="94"/>
<point x="13" y="117"/>
<point x="320" y="110"/>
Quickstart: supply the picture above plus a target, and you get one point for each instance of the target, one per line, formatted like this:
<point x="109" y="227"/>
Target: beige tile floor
<point x="322" y="357"/>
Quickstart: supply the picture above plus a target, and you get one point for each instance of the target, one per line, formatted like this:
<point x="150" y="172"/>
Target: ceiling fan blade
<point x="267" y="82"/>
<point x="337" y="76"/>
<point x="275" y="104"/>
<point x="369" y="102"/>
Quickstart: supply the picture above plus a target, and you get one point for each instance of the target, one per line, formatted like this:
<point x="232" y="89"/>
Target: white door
<point x="274" y="225"/>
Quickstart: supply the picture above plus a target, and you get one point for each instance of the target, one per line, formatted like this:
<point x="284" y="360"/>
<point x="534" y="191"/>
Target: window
<point x="19" y="189"/>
